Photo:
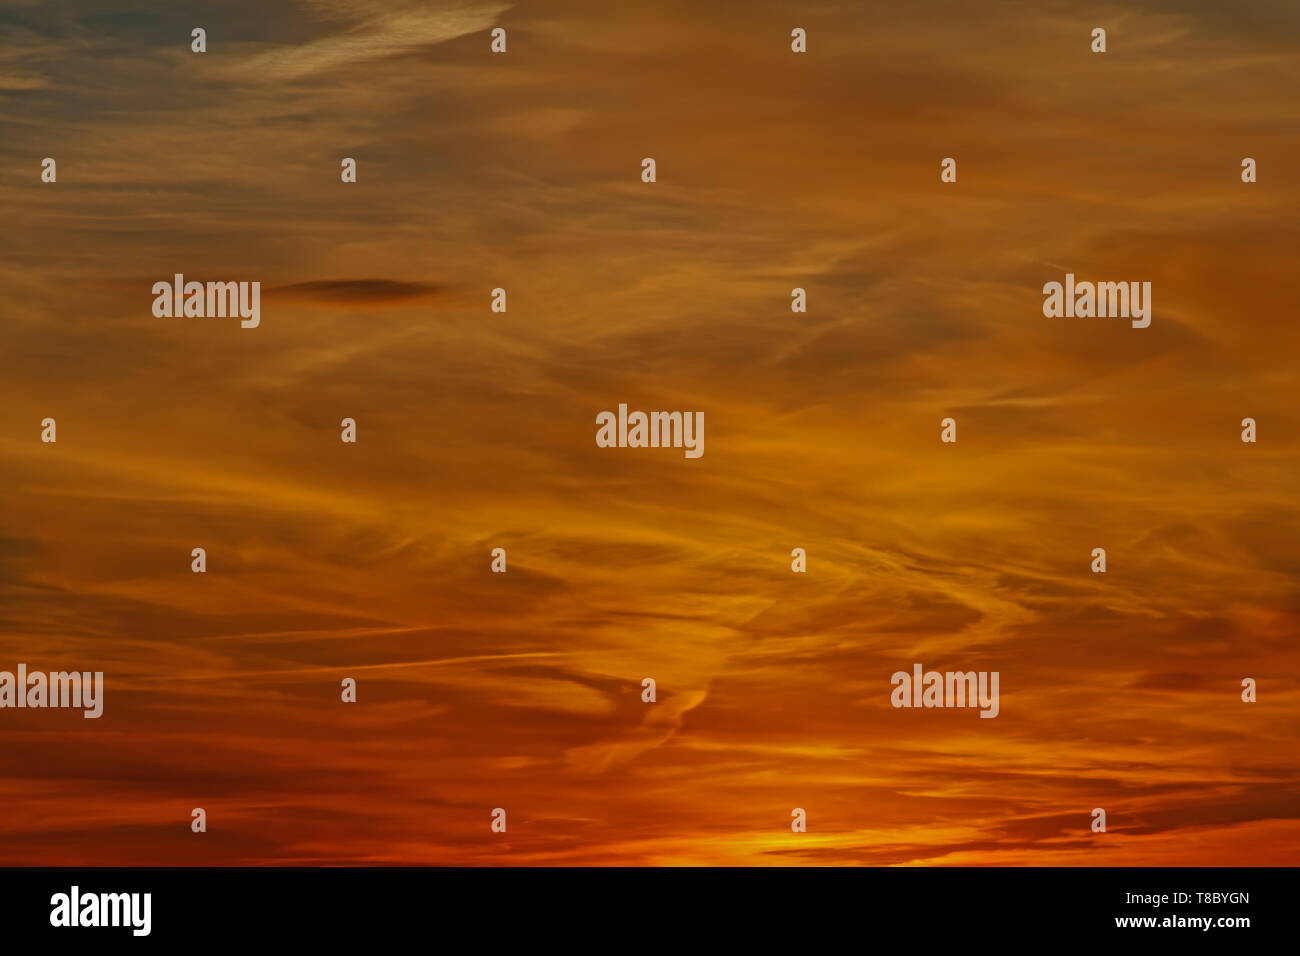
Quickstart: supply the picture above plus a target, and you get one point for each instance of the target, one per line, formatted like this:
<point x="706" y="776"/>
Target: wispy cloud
<point x="475" y="431"/>
<point x="376" y="31"/>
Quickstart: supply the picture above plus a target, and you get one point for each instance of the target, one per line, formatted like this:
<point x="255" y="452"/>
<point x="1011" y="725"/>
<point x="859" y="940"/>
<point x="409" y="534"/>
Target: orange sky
<point x="476" y="430"/>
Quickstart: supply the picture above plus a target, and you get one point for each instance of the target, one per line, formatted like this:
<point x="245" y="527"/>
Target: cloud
<point x="382" y="30"/>
<point x="347" y="292"/>
<point x="476" y="430"/>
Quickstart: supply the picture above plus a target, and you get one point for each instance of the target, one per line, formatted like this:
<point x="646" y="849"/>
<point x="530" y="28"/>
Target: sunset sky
<point x="476" y="431"/>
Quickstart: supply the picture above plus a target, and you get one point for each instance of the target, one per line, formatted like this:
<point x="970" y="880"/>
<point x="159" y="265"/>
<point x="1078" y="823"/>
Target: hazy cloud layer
<point x="476" y="430"/>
